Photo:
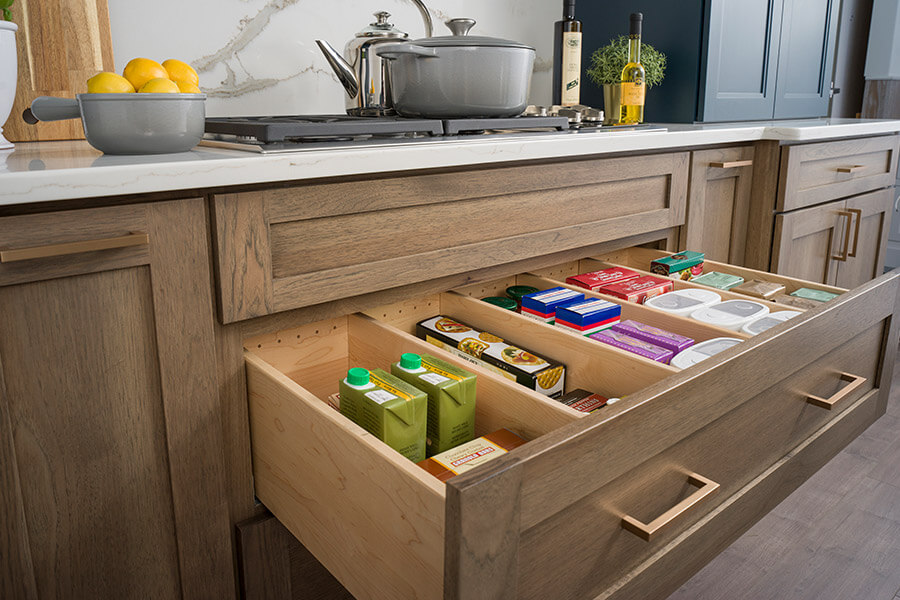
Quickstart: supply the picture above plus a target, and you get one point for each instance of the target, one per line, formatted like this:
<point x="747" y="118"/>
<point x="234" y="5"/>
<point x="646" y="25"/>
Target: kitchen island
<point x="134" y="290"/>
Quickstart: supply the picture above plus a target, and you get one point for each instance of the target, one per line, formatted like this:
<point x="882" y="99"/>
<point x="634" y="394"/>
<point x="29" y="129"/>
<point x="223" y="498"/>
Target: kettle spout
<point x="341" y="67"/>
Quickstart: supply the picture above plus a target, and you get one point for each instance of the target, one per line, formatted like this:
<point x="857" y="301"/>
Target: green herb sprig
<point x="4" y="6"/>
<point x="608" y="61"/>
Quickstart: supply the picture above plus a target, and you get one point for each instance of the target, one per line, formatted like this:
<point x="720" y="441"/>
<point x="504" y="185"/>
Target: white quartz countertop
<point x="46" y="171"/>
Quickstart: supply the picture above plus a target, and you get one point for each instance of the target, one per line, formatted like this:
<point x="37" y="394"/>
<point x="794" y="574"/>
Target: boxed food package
<point x="388" y="408"/>
<point x="588" y="317"/>
<point x="759" y="288"/>
<point x="471" y="454"/>
<point x="531" y="370"/>
<point x="795" y="301"/>
<point x="596" y="279"/>
<point x="638" y="290"/>
<point x="654" y="335"/>
<point x="721" y="281"/>
<point x="633" y="345"/>
<point x="811" y="294"/>
<point x="684" y="265"/>
<point x="584" y="400"/>
<point x="451" y="399"/>
<point x="542" y="305"/>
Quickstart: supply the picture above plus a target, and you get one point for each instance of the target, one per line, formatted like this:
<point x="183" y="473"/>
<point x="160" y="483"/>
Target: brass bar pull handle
<point x="8" y="255"/>
<point x="853" y="169"/>
<point x="646" y="531"/>
<point x="731" y="164"/>
<point x="845" y="252"/>
<point x="858" y="213"/>
<point x="856" y="382"/>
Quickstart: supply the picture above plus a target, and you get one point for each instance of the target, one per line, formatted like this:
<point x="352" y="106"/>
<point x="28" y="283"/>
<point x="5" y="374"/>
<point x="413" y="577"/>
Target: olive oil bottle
<point x="567" y="58"/>
<point x="633" y="86"/>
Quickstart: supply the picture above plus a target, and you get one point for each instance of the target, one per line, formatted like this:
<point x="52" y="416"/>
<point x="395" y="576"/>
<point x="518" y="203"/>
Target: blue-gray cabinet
<point x="728" y="60"/>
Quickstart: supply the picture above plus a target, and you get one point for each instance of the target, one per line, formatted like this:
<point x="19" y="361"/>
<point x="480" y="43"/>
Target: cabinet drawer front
<point x="278" y="250"/>
<point x="723" y="416"/>
<point x="815" y="173"/>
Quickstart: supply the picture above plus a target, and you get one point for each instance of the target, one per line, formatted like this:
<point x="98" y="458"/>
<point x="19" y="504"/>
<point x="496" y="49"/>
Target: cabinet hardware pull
<point x="845" y="252"/>
<point x="8" y="255"/>
<point x="852" y="169"/>
<point x="646" y="531"/>
<point x="731" y="164"/>
<point x="858" y="213"/>
<point x="828" y="403"/>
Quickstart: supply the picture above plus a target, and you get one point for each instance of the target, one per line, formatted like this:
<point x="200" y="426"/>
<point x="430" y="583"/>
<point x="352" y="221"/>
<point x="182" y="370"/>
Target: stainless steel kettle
<point x="361" y="71"/>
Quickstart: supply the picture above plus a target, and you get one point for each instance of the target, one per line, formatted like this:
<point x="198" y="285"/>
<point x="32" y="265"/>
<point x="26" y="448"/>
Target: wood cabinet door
<point x="871" y="223"/>
<point x="810" y="243"/>
<point x="111" y="471"/>
<point x="719" y="203"/>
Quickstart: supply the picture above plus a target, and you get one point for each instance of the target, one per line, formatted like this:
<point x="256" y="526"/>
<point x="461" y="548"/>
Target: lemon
<point x="186" y="87"/>
<point x="109" y="83"/>
<point x="180" y="71"/>
<point x="159" y="85"/>
<point x="141" y="70"/>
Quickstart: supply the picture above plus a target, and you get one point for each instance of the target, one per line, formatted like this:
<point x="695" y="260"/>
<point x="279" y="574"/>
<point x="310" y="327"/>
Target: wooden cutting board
<point x="60" y="45"/>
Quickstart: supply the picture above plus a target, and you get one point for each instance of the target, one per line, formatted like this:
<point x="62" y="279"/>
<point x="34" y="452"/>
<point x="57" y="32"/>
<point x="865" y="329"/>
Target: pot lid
<point x="381" y="27"/>
<point x="460" y="28"/>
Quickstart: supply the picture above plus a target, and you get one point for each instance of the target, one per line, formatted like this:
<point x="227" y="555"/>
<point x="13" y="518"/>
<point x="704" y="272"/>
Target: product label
<point x="469" y="455"/>
<point x="571" y="68"/>
<point x="633" y="93"/>
<point x="433" y="378"/>
<point x="380" y="396"/>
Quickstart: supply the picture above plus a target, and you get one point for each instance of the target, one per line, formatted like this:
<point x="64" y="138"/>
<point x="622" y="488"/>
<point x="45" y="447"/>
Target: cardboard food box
<point x="542" y="305"/>
<point x="539" y="373"/>
<point x="654" y="335"/>
<point x="639" y="289"/>
<point x="684" y="265"/>
<point x="720" y="281"/>
<point x="597" y="279"/>
<point x="584" y="400"/>
<point x="467" y="456"/>
<point x="634" y="345"/>
<point x="588" y="317"/>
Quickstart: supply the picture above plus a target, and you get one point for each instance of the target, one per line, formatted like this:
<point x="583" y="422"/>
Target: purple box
<point x="656" y="336"/>
<point x="639" y="347"/>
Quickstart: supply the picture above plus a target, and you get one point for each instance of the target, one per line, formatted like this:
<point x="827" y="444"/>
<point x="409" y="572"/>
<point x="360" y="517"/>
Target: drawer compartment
<point x="554" y="529"/>
<point x="305" y="245"/>
<point x="815" y="173"/>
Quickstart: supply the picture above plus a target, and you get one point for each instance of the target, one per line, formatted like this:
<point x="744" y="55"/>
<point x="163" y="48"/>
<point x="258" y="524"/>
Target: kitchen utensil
<point x="459" y="75"/>
<point x="130" y="123"/>
<point x="361" y="71"/>
<point x="61" y="44"/>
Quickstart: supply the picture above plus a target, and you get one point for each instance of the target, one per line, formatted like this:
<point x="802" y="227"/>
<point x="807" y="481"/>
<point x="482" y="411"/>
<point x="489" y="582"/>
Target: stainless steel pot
<point x="459" y="75"/>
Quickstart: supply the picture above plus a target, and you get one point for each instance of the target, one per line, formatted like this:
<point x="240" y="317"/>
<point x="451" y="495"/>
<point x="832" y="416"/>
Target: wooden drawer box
<point x="294" y="247"/>
<point x="816" y="173"/>
<point x="545" y="521"/>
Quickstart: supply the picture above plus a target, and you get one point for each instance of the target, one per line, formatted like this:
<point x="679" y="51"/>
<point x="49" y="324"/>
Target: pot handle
<point x="395" y="51"/>
<point x="48" y="108"/>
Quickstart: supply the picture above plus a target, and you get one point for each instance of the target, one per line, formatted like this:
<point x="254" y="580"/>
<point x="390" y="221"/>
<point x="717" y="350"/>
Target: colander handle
<point x="48" y="108"/>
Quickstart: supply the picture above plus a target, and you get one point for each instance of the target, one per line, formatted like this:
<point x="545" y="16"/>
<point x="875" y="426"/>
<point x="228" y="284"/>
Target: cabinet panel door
<point x="807" y="242"/>
<point x="871" y="216"/>
<point x="741" y="60"/>
<point x="806" y="57"/>
<point x="719" y="203"/>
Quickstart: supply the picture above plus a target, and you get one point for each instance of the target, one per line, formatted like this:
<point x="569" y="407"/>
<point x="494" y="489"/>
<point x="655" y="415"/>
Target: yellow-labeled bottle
<point x="633" y="85"/>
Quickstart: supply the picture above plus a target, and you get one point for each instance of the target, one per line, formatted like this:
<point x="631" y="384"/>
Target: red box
<point x="639" y="289"/>
<point x="596" y="279"/>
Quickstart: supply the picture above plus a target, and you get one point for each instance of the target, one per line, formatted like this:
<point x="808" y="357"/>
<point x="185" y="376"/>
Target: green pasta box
<point x="387" y="407"/>
<point x="451" y="399"/>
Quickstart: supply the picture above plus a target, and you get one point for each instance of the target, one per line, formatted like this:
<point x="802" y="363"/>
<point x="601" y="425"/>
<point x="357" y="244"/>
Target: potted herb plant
<point x="8" y="67"/>
<point x="606" y="67"/>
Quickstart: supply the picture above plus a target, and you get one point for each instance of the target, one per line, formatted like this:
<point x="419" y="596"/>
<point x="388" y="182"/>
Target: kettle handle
<point x="395" y="51"/>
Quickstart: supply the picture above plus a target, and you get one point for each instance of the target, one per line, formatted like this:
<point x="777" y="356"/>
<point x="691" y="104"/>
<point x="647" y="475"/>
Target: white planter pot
<point x="8" y="74"/>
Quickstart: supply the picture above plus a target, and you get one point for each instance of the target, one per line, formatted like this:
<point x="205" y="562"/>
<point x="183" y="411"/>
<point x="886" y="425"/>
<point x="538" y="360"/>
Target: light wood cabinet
<point x="719" y="203"/>
<point x="110" y="450"/>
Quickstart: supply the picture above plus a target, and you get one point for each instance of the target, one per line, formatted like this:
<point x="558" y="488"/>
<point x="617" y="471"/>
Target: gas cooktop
<point x="312" y="132"/>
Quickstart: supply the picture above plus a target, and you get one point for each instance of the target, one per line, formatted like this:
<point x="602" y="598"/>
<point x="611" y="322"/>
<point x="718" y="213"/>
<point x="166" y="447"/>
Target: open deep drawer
<point x="594" y="505"/>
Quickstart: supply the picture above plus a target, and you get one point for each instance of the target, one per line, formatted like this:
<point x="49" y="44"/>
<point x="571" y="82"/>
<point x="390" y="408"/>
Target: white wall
<point x="883" y="55"/>
<point x="258" y="57"/>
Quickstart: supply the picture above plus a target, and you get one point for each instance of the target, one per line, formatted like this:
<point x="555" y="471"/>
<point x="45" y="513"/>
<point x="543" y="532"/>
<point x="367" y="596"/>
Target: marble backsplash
<point x="259" y="57"/>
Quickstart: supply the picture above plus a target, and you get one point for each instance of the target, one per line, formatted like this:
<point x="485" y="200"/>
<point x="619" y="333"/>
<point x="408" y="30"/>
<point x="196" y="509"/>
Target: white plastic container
<point x="683" y="302"/>
<point x="768" y="321"/>
<point x="731" y="314"/>
<point x="702" y="351"/>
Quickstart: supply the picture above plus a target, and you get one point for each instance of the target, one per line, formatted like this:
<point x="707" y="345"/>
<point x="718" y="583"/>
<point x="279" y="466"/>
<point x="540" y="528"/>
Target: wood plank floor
<point x="837" y="537"/>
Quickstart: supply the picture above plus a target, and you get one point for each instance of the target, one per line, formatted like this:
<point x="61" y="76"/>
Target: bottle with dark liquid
<point x="633" y="87"/>
<point x="567" y="58"/>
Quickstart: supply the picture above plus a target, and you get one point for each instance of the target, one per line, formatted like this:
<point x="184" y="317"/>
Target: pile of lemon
<point x="148" y="76"/>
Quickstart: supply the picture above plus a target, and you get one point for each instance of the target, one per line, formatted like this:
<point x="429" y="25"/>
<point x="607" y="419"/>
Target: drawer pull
<point x="132" y="239"/>
<point x="733" y="164"/>
<point x="845" y="252"/>
<point x="858" y="213"/>
<point x="853" y="169"/>
<point x="646" y="531"/>
<point x="828" y="403"/>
